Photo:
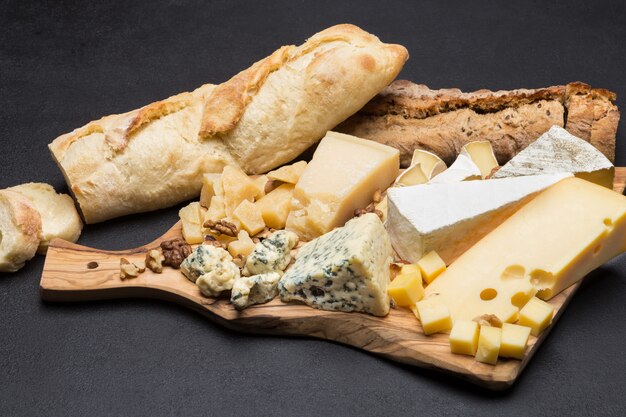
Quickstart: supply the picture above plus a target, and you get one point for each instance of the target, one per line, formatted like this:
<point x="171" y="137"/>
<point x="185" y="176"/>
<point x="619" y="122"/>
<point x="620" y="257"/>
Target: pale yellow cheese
<point x="431" y="266"/>
<point x="489" y="342"/>
<point x="464" y="337"/>
<point x="237" y="187"/>
<point x="413" y="175"/>
<point x="430" y="163"/>
<point x="342" y="176"/>
<point x="275" y="206"/>
<point x="514" y="340"/>
<point x="411" y="269"/>
<point x="481" y="153"/>
<point x="536" y="314"/>
<point x="249" y="215"/>
<point x="288" y="173"/>
<point x="260" y="182"/>
<point x="216" y="209"/>
<point x="192" y="217"/>
<point x="211" y="186"/>
<point x="434" y="316"/>
<point x="406" y="289"/>
<point x="242" y="246"/>
<point x="549" y="244"/>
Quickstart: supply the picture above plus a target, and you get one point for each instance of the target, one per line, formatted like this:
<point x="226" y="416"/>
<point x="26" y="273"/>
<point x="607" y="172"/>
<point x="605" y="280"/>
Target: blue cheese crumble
<point x="211" y="268"/>
<point x="257" y="289"/>
<point x="346" y="269"/>
<point x="272" y="254"/>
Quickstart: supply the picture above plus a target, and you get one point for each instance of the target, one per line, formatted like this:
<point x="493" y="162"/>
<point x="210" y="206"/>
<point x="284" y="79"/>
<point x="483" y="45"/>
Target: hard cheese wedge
<point x="345" y="270"/>
<point x="450" y="218"/>
<point x="342" y="176"/>
<point x="559" y="151"/>
<point x="548" y="245"/>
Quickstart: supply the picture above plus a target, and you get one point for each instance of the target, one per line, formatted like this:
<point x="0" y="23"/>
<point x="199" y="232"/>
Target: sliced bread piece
<point x="20" y="230"/>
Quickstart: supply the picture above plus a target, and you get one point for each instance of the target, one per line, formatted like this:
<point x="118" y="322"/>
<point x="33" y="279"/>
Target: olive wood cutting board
<point x="78" y="273"/>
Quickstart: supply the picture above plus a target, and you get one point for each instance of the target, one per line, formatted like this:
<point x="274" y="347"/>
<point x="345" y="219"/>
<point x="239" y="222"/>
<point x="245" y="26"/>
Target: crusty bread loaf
<point x="59" y="217"/>
<point x="409" y="116"/>
<point x="263" y="117"/>
<point x="20" y="230"/>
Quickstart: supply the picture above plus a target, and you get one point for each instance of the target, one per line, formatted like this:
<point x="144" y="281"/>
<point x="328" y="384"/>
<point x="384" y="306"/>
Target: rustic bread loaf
<point x="59" y="217"/>
<point x="263" y="117"/>
<point x="409" y="116"/>
<point x="20" y="230"/>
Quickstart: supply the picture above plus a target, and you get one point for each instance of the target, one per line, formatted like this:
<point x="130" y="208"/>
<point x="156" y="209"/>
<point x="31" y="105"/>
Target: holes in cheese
<point x="513" y="272"/>
<point x="342" y="176"/>
<point x="553" y="237"/>
<point x="488" y="294"/>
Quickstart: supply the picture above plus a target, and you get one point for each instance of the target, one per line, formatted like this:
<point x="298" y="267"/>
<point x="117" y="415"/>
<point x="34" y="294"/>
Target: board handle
<point x="73" y="272"/>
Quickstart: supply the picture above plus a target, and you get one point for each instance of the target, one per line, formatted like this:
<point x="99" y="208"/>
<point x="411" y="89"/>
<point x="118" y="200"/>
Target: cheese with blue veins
<point x="211" y="268"/>
<point x="272" y="254"/>
<point x="346" y="269"/>
<point x="257" y="289"/>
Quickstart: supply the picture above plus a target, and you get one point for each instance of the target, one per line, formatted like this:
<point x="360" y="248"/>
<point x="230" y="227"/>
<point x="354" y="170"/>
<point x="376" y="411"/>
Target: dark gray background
<point x="65" y="63"/>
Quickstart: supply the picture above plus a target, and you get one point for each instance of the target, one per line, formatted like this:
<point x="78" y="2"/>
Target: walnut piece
<point x="129" y="269"/>
<point x="175" y="251"/>
<point x="154" y="260"/>
<point x="371" y="208"/>
<point x="211" y="240"/>
<point x="223" y="227"/>
<point x="488" y="320"/>
<point x="378" y="196"/>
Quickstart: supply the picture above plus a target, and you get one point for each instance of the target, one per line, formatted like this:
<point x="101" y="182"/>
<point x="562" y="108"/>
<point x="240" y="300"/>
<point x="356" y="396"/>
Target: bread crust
<point x="20" y="231"/>
<point x="260" y="119"/>
<point x="411" y="116"/>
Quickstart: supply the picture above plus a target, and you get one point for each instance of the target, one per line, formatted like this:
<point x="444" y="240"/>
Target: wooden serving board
<point x="78" y="273"/>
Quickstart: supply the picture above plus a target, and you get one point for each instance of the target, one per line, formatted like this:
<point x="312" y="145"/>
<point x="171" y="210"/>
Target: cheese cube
<point x="464" y="337"/>
<point x="482" y="155"/>
<point x="430" y="163"/>
<point x="435" y="317"/>
<point x="413" y="175"/>
<point x="216" y="209"/>
<point x="536" y="314"/>
<point x="431" y="266"/>
<point x="411" y="269"/>
<point x="250" y="217"/>
<point x="191" y="217"/>
<point x="514" y="340"/>
<point x="211" y="186"/>
<point x="489" y="343"/>
<point x="342" y="176"/>
<point x="260" y="181"/>
<point x="275" y="206"/>
<point x="406" y="289"/>
<point x="288" y="173"/>
<point x="242" y="246"/>
<point x="546" y="246"/>
<point x="237" y="187"/>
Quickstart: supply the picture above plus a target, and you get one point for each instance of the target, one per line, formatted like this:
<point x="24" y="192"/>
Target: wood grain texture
<point x="70" y="274"/>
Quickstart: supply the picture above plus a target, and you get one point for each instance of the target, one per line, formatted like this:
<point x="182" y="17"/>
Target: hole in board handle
<point x="92" y="265"/>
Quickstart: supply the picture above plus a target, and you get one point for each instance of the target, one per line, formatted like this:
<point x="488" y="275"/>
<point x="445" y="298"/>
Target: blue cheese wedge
<point x="559" y="151"/>
<point x="211" y="269"/>
<point x="272" y="254"/>
<point x="257" y="289"/>
<point x="346" y="269"/>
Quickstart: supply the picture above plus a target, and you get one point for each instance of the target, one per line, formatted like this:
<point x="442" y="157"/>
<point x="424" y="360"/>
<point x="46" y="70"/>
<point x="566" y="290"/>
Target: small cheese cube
<point x="431" y="266"/>
<point x="289" y="173"/>
<point x="191" y="217"/>
<point x="464" y="337"/>
<point x="216" y="209"/>
<point x="237" y="188"/>
<point x="275" y="206"/>
<point x="260" y="182"/>
<point x="406" y="289"/>
<point x="536" y="314"/>
<point x="434" y="316"/>
<point x="489" y="344"/>
<point x="514" y="339"/>
<point x="411" y="269"/>
<point x="249" y="215"/>
<point x="242" y="246"/>
<point x="211" y="186"/>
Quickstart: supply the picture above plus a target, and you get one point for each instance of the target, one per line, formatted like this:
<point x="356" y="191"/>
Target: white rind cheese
<point x="559" y="151"/>
<point x="450" y="218"/>
<point x="462" y="169"/>
<point x="211" y="269"/>
<point x="257" y="289"/>
<point x="272" y="254"/>
<point x="344" y="270"/>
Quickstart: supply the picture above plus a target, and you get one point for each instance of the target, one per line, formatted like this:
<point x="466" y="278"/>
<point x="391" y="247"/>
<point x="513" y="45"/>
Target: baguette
<point x="20" y="230"/>
<point x="263" y="117"/>
<point x="410" y="116"/>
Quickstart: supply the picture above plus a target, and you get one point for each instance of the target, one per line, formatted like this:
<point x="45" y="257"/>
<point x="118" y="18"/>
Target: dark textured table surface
<point x="65" y="63"/>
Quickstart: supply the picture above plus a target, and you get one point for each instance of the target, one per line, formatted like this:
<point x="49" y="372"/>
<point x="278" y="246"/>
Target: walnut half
<point x="175" y="251"/>
<point x="222" y="227"/>
<point x="129" y="269"/>
<point x="154" y="260"/>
